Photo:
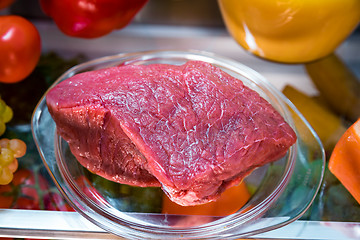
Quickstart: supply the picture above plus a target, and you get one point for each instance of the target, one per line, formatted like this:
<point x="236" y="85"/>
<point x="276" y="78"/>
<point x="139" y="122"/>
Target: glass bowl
<point x="281" y="191"/>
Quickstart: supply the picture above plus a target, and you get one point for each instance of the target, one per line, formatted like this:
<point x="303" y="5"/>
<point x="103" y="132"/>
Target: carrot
<point x="344" y="161"/>
<point x="229" y="202"/>
<point x="327" y="125"/>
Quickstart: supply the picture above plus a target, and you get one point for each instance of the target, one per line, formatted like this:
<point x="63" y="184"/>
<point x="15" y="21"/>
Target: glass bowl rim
<point x="250" y="74"/>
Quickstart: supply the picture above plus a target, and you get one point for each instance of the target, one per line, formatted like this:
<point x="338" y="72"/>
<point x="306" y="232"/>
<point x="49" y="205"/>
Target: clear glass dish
<point x="283" y="190"/>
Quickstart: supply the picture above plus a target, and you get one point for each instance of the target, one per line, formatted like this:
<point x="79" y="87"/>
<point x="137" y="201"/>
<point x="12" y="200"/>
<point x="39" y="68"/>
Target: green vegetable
<point x="128" y="198"/>
<point x="22" y="97"/>
<point x="337" y="204"/>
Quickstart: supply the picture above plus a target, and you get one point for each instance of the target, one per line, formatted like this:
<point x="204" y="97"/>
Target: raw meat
<point x="192" y="129"/>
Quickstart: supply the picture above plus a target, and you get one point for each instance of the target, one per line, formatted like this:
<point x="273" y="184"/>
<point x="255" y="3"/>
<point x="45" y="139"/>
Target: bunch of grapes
<point x="6" y="115"/>
<point x="10" y="150"/>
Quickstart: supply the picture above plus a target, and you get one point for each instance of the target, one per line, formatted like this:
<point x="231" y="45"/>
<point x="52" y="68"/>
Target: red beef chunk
<point x="192" y="129"/>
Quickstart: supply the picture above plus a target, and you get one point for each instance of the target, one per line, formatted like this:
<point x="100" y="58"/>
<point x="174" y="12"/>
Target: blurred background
<point x="204" y="13"/>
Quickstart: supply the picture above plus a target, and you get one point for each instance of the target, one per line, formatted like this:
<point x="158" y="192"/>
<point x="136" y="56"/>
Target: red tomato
<point x="22" y="192"/>
<point x="6" y="199"/>
<point x="54" y="201"/>
<point x="29" y="197"/>
<point x="20" y="48"/>
<point x="31" y="191"/>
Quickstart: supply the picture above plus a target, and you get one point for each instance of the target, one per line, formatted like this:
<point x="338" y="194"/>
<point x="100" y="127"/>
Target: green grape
<point x="6" y="176"/>
<point x="7" y="114"/>
<point x="2" y="106"/>
<point x="18" y="147"/>
<point x="6" y="156"/>
<point x="2" y="127"/>
<point x="10" y="150"/>
<point x="4" y="143"/>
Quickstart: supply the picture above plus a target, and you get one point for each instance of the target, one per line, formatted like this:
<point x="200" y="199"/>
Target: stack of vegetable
<point x="24" y="72"/>
<point x="10" y="150"/>
<point x="24" y="181"/>
<point x="24" y="76"/>
<point x="20" y="43"/>
<point x="335" y="116"/>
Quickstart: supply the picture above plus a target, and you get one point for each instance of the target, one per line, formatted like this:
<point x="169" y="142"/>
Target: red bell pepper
<point x="91" y="18"/>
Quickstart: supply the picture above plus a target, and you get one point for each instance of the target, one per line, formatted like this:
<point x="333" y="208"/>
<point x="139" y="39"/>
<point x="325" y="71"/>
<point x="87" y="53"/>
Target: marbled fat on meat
<point x="192" y="129"/>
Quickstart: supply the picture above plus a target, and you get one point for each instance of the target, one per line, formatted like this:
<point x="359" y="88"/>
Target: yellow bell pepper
<point x="292" y="30"/>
